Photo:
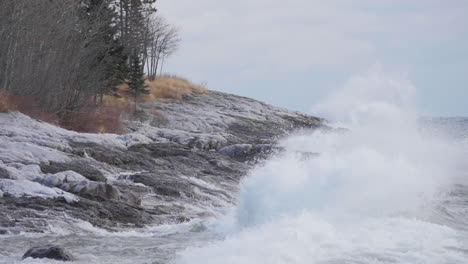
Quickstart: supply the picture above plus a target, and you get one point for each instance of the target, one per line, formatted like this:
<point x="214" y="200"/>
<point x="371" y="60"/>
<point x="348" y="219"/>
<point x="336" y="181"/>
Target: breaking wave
<point x="377" y="190"/>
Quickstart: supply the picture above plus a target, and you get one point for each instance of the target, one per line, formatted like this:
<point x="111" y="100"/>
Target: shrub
<point x="5" y="104"/>
<point x="107" y="117"/>
<point x="100" y="119"/>
<point x="26" y="105"/>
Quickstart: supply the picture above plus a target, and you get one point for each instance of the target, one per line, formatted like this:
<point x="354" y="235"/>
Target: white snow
<point x="19" y="188"/>
<point x="54" y="180"/>
<point x="25" y="143"/>
<point x="214" y="112"/>
<point x="200" y="122"/>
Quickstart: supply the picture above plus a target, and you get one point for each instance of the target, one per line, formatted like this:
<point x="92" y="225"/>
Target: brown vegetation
<point x="26" y="105"/>
<point x="163" y="87"/>
<point x="104" y="118"/>
<point x="5" y="103"/>
<point x="174" y="87"/>
<point x="101" y="119"/>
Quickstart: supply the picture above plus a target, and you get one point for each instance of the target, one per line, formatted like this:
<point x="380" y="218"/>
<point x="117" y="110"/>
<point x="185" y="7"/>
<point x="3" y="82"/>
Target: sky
<point x="295" y="53"/>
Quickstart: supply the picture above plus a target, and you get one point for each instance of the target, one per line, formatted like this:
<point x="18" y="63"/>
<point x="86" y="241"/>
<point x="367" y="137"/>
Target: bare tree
<point x="164" y="41"/>
<point x="54" y="51"/>
<point x="67" y="54"/>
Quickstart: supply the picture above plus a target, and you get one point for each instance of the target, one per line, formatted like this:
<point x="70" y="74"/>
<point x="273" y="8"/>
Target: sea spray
<point x="363" y="194"/>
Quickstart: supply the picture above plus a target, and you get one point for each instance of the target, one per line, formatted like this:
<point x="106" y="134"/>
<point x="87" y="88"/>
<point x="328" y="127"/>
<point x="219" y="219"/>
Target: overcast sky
<point x="294" y="53"/>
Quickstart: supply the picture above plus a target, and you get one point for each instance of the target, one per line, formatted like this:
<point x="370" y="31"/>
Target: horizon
<point x="260" y="50"/>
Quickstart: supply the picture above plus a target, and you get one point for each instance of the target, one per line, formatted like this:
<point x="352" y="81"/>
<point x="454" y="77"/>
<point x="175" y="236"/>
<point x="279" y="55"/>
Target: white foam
<point x="363" y="199"/>
<point x="307" y="238"/>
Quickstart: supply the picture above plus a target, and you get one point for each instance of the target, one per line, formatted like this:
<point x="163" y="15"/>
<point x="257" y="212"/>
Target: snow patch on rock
<point x="19" y="188"/>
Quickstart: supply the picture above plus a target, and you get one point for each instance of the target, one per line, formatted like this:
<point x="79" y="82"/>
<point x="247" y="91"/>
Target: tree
<point x="67" y="55"/>
<point x="164" y="41"/>
<point x="109" y="55"/>
<point x="136" y="82"/>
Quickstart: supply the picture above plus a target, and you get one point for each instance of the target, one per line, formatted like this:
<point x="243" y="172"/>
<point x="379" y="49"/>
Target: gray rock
<point x="98" y="189"/>
<point x="199" y="150"/>
<point x="77" y="166"/>
<point x="33" y="214"/>
<point x="237" y="151"/>
<point x="4" y="174"/>
<point x="49" y="252"/>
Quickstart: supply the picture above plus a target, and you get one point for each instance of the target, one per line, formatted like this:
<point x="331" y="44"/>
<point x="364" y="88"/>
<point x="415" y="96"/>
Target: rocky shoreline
<point x="180" y="160"/>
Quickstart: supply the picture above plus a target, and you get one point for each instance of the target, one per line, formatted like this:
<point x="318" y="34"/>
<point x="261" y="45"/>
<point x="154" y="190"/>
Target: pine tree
<point x="136" y="81"/>
<point x="109" y="58"/>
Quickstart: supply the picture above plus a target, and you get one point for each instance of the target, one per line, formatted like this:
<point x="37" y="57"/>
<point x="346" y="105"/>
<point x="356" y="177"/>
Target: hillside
<point x="182" y="159"/>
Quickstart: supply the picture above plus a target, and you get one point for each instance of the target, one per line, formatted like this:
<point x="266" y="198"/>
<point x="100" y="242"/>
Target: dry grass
<point x="6" y="104"/>
<point x="101" y="119"/>
<point x="26" y="105"/>
<point x="105" y="118"/>
<point x="165" y="86"/>
<point x="173" y="87"/>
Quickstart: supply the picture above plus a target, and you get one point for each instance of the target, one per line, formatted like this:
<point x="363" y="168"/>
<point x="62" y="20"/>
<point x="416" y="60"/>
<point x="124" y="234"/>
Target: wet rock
<point x="77" y="166"/>
<point x="303" y="121"/>
<point x="166" y="171"/>
<point x="98" y="189"/>
<point x="255" y="131"/>
<point x="246" y="152"/>
<point x="62" y="178"/>
<point x="125" y="159"/>
<point x="236" y="151"/>
<point x="159" y="150"/>
<point x="4" y="174"/>
<point x="50" y="252"/>
<point x="32" y="214"/>
<point x="162" y="185"/>
<point x="73" y="182"/>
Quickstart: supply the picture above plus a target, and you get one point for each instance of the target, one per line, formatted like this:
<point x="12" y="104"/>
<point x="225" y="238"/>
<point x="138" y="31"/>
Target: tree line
<point x="69" y="54"/>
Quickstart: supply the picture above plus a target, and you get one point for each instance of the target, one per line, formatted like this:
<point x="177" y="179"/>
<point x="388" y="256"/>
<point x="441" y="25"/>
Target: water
<point x="361" y="201"/>
<point x="152" y="245"/>
<point x="391" y="187"/>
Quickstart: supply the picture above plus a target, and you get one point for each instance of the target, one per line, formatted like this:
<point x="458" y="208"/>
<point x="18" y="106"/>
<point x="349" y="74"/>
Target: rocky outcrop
<point x="184" y="163"/>
<point x="4" y="174"/>
<point x="78" y="166"/>
<point x="246" y="152"/>
<point x="49" y="252"/>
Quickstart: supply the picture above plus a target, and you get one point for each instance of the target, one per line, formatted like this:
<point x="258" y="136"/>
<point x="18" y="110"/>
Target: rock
<point x="49" y="252"/>
<point x="128" y="159"/>
<point x="4" y="174"/>
<point x="61" y="178"/>
<point x="33" y="214"/>
<point x="236" y="151"/>
<point x="162" y="185"/>
<point x="168" y="170"/>
<point x="75" y="183"/>
<point x="303" y="121"/>
<point x="246" y="152"/>
<point x="77" y="166"/>
<point x="98" y="189"/>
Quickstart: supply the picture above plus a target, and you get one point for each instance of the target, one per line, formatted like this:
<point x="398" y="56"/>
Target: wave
<point x="364" y="194"/>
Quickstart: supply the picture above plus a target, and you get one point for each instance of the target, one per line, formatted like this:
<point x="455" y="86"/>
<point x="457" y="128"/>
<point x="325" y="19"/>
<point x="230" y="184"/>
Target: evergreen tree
<point x="136" y="81"/>
<point x="109" y="57"/>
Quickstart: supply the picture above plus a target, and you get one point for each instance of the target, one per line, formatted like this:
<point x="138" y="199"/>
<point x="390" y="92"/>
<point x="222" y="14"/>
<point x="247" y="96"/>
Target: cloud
<point x="303" y="33"/>
<point x="230" y="41"/>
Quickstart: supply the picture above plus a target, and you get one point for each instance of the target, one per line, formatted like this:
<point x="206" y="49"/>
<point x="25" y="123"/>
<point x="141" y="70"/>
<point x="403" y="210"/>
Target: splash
<point x="363" y="194"/>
